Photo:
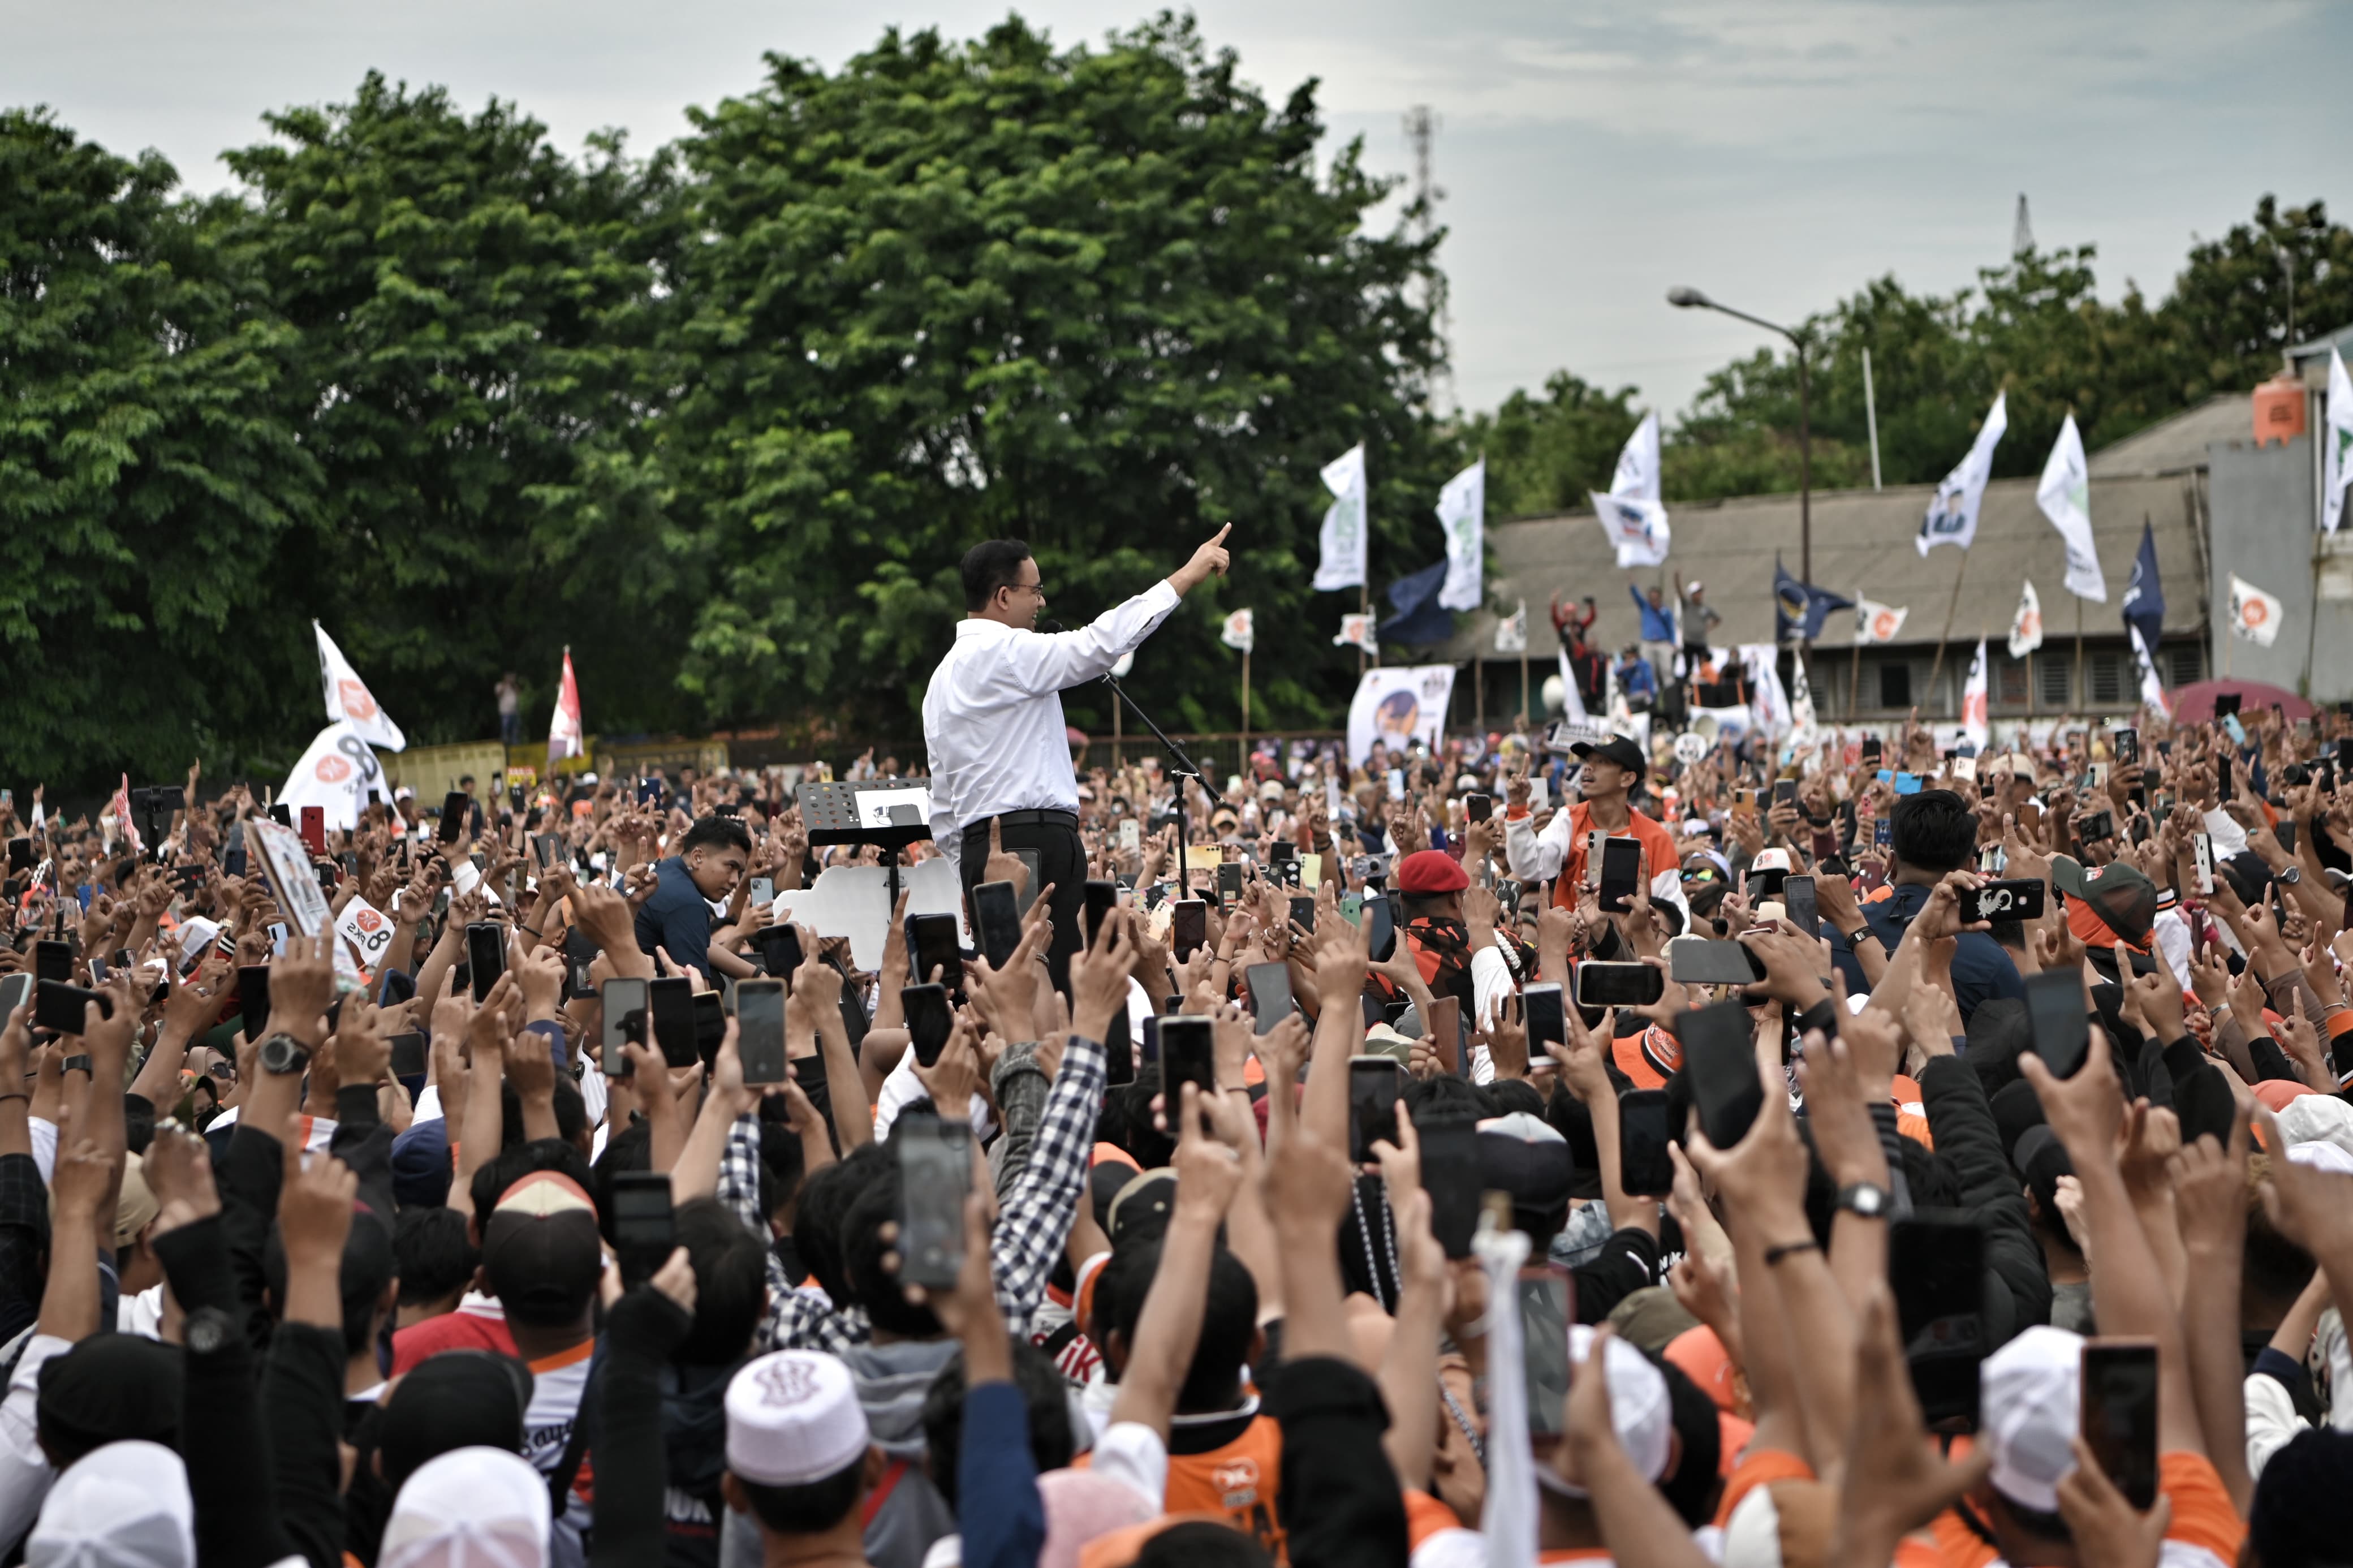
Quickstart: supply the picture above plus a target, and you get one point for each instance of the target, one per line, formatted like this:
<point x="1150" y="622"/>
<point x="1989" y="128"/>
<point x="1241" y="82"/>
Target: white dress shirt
<point x="993" y="715"/>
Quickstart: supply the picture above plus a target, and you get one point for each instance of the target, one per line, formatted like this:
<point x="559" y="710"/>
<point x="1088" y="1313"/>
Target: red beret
<point x="1431" y="871"/>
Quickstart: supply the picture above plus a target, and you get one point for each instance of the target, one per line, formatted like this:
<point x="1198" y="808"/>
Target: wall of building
<point x="2264" y="530"/>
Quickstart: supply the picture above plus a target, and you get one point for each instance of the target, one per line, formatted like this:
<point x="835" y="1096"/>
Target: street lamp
<point x="1687" y="298"/>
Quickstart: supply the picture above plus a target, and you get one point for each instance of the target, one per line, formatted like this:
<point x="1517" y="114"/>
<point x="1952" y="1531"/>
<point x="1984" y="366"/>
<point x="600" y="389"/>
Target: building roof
<point x="2178" y="444"/>
<point x="2341" y="340"/>
<point x="1863" y="546"/>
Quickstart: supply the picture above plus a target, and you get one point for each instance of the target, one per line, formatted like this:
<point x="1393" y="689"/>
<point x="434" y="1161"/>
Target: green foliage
<point x="1547" y="455"/>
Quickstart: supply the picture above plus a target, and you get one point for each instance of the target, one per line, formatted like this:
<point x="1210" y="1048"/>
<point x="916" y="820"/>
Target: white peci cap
<point x="2026" y="1398"/>
<point x="793" y="1417"/>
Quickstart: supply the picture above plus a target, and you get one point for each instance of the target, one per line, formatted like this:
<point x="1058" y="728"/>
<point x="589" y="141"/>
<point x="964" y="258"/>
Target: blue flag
<point x="1420" y="619"/>
<point x="1798" y="607"/>
<point x="2143" y="603"/>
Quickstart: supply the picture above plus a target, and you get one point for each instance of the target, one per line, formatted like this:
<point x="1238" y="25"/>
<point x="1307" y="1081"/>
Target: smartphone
<point x="1395" y="780"/>
<point x="1882" y="833"/>
<point x="624" y="1007"/>
<point x="1100" y="898"/>
<point x="2100" y="825"/>
<point x="2126" y="746"/>
<point x="59" y="1006"/>
<point x="1908" y="783"/>
<point x="644" y="1231"/>
<point x="931" y="945"/>
<point x="20" y="855"/>
<point x="314" y="829"/>
<point x="1870" y="750"/>
<point x="2055" y="1013"/>
<point x="486" y="955"/>
<point x="997" y="921"/>
<point x="1478" y="808"/>
<point x="1373" y="1083"/>
<point x="457" y="807"/>
<point x="1621" y="872"/>
<point x="760" y="1029"/>
<point x="1269" y="989"/>
<point x="545" y="848"/>
<point x="53" y="961"/>
<point x="1188" y="927"/>
<point x="408" y="1055"/>
<point x="1743" y="802"/>
<point x="2014" y="898"/>
<point x="1645" y="1169"/>
<point x="1797" y="901"/>
<point x="253" y="998"/>
<point x="1618" y="985"/>
<point x="1131" y="835"/>
<point x="2117" y="1390"/>
<point x="1936" y="1262"/>
<point x="1721" y="1061"/>
<point x="670" y="1003"/>
<point x="2237" y="730"/>
<point x="929" y="1021"/>
<point x="1541" y="1010"/>
<point x="1785" y="792"/>
<point x="1705" y="961"/>
<point x="780" y="952"/>
<point x="1450" y="1174"/>
<point x="1188" y="1054"/>
<point x="15" y="990"/>
<point x="1380" y="926"/>
<point x="1119" y="1051"/>
<point x="2202" y="848"/>
<point x="763" y="890"/>
<point x="1546" y="1294"/>
<point x="710" y="1026"/>
<point x="934" y="1177"/>
<point x="1303" y="912"/>
<point x="1445" y="1027"/>
<point x="1229" y="883"/>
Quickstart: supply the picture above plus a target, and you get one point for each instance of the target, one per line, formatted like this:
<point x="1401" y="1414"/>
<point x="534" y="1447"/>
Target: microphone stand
<point x="1181" y="767"/>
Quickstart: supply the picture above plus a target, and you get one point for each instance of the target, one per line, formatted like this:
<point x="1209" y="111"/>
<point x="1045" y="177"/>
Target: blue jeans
<point x="510" y="729"/>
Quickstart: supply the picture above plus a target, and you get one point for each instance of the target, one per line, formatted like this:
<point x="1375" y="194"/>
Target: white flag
<point x="1342" y="537"/>
<point x="1807" y="732"/>
<point x="2152" y="690"/>
<point x="2064" y="495"/>
<point x="1974" y="725"/>
<point x="1512" y="631"/>
<point x="337" y="775"/>
<point x="1637" y="529"/>
<point x="1572" y="696"/>
<point x="1875" y="622"/>
<point x="1463" y="512"/>
<point x="1953" y="516"/>
<point x="1356" y="631"/>
<point x="2026" y="627"/>
<point x="2336" y="444"/>
<point x="1240" y="631"/>
<point x="1638" y="464"/>
<point x="2254" y="615"/>
<point x="348" y="699"/>
<point x="1768" y="702"/>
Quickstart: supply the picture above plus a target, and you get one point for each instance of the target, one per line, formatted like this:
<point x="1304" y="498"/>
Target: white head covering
<point x="470" y="1507"/>
<point x="1640" y="1409"/>
<point x="125" y="1505"/>
<point x="793" y="1417"/>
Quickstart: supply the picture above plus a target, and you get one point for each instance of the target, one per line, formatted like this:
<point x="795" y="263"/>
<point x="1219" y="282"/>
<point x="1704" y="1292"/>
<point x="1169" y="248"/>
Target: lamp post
<point x="1692" y="298"/>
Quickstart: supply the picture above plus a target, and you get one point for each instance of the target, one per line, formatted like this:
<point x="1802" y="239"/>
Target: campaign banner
<point x="1399" y="705"/>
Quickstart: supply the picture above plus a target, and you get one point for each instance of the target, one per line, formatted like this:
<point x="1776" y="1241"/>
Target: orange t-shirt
<point x="1755" y="1468"/>
<point x="2202" y="1517"/>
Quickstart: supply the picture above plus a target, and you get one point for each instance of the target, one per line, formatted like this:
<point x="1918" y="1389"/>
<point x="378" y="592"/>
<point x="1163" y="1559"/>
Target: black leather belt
<point x="1026" y="819"/>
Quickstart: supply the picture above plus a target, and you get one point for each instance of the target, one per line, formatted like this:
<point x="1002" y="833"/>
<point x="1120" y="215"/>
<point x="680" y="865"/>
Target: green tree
<point x="1544" y="455"/>
<point x="151" y="477"/>
<point x="1093" y="298"/>
<point x="2227" y="318"/>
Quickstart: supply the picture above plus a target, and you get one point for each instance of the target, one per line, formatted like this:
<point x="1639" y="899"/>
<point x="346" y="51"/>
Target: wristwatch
<point x="77" y="1062"/>
<point x="207" y="1330"/>
<point x="1865" y="1198"/>
<point x="2288" y="876"/>
<point x="283" y="1055"/>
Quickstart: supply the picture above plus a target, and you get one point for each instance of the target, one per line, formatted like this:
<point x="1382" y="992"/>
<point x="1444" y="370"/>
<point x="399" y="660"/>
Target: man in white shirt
<point x="993" y="719"/>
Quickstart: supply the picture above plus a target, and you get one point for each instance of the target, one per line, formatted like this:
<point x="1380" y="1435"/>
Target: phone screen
<point x="408" y="1055"/>
<point x="1449" y="1173"/>
<point x="1619" y="985"/>
<point x="1711" y="960"/>
<point x="935" y="1176"/>
<point x="644" y="1229"/>
<point x="1100" y="898"/>
<point x="929" y="1021"/>
<point x="1645" y="1169"/>
<point x="1372" y="1104"/>
<point x="2202" y="846"/>
<point x="760" y="1029"/>
<point x="1935" y="1262"/>
<point x="671" y="1003"/>
<point x="1547" y="1299"/>
<point x="1380" y="927"/>
<point x="2016" y="898"/>
<point x="486" y="955"/>
<point x="1798" y="898"/>
<point x="456" y="808"/>
<point x="780" y="952"/>
<point x="1622" y="869"/>
<point x="1188" y="1054"/>
<point x="624" y="1001"/>
<point x="53" y="961"/>
<point x="2127" y="749"/>
<point x="710" y="1026"/>
<point x="1269" y="989"/>
<point x="1119" y="1050"/>
<point x="2055" y="1012"/>
<point x="932" y="949"/>
<point x="996" y="916"/>
<point x="1188" y="927"/>
<point x="2118" y="1391"/>
<point x="1721" y="1060"/>
<point x="1541" y="1007"/>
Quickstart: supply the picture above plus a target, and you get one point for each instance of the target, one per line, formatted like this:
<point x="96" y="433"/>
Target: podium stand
<point x="888" y="814"/>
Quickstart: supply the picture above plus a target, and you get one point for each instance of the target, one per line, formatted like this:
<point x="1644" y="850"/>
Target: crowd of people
<point x="1468" y="1247"/>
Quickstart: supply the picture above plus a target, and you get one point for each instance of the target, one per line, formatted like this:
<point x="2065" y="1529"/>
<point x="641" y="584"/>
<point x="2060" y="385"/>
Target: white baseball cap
<point x="2027" y="1415"/>
<point x="793" y="1417"/>
<point x="1640" y="1410"/>
<point x="2327" y="1120"/>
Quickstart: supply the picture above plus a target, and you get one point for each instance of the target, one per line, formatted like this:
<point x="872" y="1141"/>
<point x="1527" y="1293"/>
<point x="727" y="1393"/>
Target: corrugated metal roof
<point x="2178" y="445"/>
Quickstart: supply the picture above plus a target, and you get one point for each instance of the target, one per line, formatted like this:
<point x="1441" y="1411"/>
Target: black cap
<point x="109" y="1388"/>
<point x="455" y="1399"/>
<point x="1618" y="749"/>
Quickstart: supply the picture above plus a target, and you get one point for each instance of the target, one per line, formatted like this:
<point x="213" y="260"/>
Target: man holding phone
<point x="710" y="860"/>
<point x="993" y="719"/>
<point x="1934" y="835"/>
<point x="1604" y="788"/>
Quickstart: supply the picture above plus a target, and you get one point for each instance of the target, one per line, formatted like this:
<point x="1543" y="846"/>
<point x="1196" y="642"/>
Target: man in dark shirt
<point x="1933" y="834"/>
<point x="710" y="862"/>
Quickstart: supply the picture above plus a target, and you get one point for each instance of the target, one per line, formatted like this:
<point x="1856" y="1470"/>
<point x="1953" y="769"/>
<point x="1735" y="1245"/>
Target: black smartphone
<point x="1707" y="961"/>
<point x="53" y="961"/>
<point x="2117" y="1390"/>
<point x="1119" y="1049"/>
<point x="15" y="990"/>
<point x="408" y="1055"/>
<point x="457" y="808"/>
<point x="579" y="956"/>
<point x="931" y="945"/>
<point x="1373" y="1083"/>
<point x="59" y="1006"/>
<point x="2012" y="898"/>
<point x="710" y="1026"/>
<point x="1099" y="899"/>
<point x="1229" y="882"/>
<point x="486" y="955"/>
<point x="2056" y="1014"/>
<point x="2126" y="745"/>
<point x="253" y="998"/>
<point x="1645" y="1169"/>
<point x="233" y="862"/>
<point x="780" y="952"/>
<point x="1619" y="985"/>
<point x="1450" y="1174"/>
<point x="1380" y="927"/>
<point x="670" y="1002"/>
<point x="996" y="920"/>
<point x="20" y="855"/>
<point x="1269" y="989"/>
<point x="1188" y="1054"/>
<point x="760" y="1029"/>
<point x="1720" y="1058"/>
<point x="282" y="815"/>
<point x="1870" y="750"/>
<point x="929" y="1021"/>
<point x="1188" y="926"/>
<point x="1785" y="791"/>
<point x="1303" y="912"/>
<point x="1541" y="1011"/>
<point x="2226" y="703"/>
<point x="546" y="847"/>
<point x="934" y="1177"/>
<point x="2100" y="825"/>
<point x="624" y="1007"/>
<point x="1936" y="1262"/>
<point x="1797" y="901"/>
<point x="644" y="1230"/>
<point x="1621" y="872"/>
<point x="1478" y="808"/>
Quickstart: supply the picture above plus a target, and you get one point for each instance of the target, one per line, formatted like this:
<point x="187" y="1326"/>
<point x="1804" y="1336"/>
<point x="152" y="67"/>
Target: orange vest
<point x="1237" y="1483"/>
<point x="1658" y="847"/>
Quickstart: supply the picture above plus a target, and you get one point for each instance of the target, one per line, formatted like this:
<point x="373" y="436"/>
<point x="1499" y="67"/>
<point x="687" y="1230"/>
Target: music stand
<point x="898" y="812"/>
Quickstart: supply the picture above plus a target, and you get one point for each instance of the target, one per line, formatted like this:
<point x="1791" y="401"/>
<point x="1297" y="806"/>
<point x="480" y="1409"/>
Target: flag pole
<point x="2080" y="676"/>
<point x="1945" y="635"/>
<point x="1526" y="716"/>
<point x="1246" y="702"/>
<point x="1855" y="661"/>
<point x="1365" y="608"/>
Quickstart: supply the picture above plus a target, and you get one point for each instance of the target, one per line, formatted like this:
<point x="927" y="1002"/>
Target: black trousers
<point x="1062" y="860"/>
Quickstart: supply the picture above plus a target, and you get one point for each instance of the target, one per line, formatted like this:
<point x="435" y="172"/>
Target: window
<point x="2009" y="683"/>
<point x="2106" y="680"/>
<point x="1895" y="684"/>
<point x="2057" y="673"/>
<point x="2181" y="663"/>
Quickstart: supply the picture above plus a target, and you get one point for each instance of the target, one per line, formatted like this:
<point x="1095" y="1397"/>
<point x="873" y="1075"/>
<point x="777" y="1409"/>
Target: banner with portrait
<point x="1398" y="706"/>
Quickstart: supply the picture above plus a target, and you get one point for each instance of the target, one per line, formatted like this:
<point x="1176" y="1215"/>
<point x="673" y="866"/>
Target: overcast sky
<point x="1593" y="154"/>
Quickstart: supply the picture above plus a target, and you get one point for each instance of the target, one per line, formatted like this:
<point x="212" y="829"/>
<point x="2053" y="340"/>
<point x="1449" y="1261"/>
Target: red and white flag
<point x="122" y="816"/>
<point x="1973" y="701"/>
<point x="564" y="729"/>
